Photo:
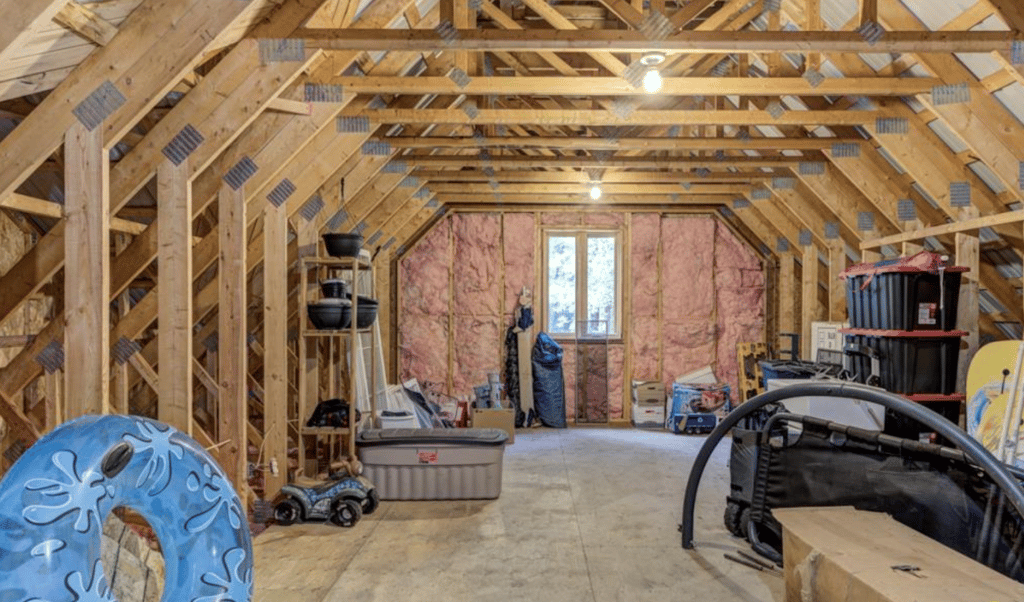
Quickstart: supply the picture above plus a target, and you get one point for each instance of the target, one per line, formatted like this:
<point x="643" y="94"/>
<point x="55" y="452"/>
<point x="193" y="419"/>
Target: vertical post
<point x="787" y="294"/>
<point x="868" y="11"/>
<point x="87" y="272"/>
<point x="809" y="304"/>
<point x="275" y="345"/>
<point x="309" y="361"/>
<point x="232" y="346"/>
<point x="813" y="18"/>
<point x="174" y="294"/>
<point x="836" y="287"/>
<point x="912" y="247"/>
<point x="967" y="254"/>
<point x="119" y="387"/>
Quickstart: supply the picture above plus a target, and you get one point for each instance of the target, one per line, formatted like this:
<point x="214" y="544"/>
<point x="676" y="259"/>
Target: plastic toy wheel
<point x="288" y="512"/>
<point x="346" y="513"/>
<point x="732" y="518"/>
<point x="371" y="503"/>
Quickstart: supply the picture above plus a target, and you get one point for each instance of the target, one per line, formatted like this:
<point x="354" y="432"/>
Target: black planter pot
<point x="334" y="288"/>
<point x="343" y="245"/>
<point x="366" y="312"/>
<point x="329" y="316"/>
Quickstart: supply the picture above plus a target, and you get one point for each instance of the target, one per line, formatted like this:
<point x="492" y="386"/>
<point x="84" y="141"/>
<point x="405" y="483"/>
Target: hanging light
<point x="652" y="79"/>
<point x="595" y="192"/>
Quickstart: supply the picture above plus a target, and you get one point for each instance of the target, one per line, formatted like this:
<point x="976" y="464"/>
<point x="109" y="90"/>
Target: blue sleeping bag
<point x="548" y="382"/>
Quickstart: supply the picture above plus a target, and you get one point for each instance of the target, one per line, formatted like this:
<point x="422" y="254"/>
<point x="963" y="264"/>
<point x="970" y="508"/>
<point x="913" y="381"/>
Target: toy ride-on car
<point x="342" y="500"/>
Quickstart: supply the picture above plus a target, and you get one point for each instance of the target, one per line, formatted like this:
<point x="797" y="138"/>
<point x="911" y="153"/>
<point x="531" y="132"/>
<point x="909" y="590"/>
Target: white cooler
<point x="433" y="464"/>
<point x="649" y="416"/>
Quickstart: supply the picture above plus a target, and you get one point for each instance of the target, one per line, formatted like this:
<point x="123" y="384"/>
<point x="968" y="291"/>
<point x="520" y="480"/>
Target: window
<point x="582" y="288"/>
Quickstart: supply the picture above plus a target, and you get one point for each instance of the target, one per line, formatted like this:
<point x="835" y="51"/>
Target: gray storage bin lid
<point x="465" y="437"/>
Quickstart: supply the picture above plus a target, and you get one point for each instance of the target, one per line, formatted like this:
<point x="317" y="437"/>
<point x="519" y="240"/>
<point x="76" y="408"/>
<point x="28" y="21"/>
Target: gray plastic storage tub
<point x="433" y="464"/>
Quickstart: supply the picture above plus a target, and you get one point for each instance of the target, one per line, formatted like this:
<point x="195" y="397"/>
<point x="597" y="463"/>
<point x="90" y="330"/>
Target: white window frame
<point x="582" y="234"/>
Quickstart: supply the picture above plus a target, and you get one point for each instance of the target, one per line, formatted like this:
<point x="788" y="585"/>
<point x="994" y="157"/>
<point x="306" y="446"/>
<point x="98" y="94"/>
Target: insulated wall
<point x="691" y="292"/>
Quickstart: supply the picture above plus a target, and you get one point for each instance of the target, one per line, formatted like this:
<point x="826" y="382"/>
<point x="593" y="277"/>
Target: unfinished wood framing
<point x="87" y="276"/>
<point x="233" y="343"/>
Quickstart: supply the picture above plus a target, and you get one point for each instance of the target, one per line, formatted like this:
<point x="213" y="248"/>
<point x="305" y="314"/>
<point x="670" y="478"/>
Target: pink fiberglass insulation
<point x="560" y="219"/>
<point x="569" y="373"/>
<point x="424" y="274"/>
<point x="520" y="261"/>
<point x="424" y="347"/>
<point x="689" y="346"/>
<point x="688" y="269"/>
<point x="644" y="338"/>
<point x="604" y="220"/>
<point x="477" y="351"/>
<point x="476" y="265"/>
<point x="644" y="264"/>
<point x="616" y="370"/>
<point x="740" y="290"/>
<point x="423" y="322"/>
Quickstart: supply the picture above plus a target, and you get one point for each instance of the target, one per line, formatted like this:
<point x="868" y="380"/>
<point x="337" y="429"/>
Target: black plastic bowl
<point x="334" y="288"/>
<point x="329" y="317"/>
<point x="366" y="312"/>
<point x="343" y="245"/>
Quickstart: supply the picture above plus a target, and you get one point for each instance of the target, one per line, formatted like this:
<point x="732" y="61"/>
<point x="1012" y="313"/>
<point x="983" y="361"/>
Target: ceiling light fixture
<point x="652" y="79"/>
<point x="595" y="192"/>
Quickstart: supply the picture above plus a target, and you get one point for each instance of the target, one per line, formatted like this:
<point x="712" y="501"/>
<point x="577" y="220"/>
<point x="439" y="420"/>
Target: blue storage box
<point x="694" y="424"/>
<point x="700" y="399"/>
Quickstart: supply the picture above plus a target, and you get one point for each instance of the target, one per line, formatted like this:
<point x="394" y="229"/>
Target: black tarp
<point x="548" y="382"/>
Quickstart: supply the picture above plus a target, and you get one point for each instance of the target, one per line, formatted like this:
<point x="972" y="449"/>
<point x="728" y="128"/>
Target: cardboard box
<point x="649" y="416"/>
<point x="847" y="554"/>
<point x="504" y="419"/>
<point x="649" y="393"/>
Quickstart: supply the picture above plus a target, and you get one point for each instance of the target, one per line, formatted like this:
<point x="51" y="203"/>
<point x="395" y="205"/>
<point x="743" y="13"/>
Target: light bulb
<point x="652" y="81"/>
<point x="595" y="192"/>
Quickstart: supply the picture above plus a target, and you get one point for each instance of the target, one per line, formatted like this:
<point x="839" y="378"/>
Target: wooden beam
<point x="174" y="194"/>
<point x="22" y="20"/>
<point x="637" y="177"/>
<point x="837" y="260"/>
<point x="232" y="333"/>
<point x="87" y="275"/>
<point x="148" y="57"/>
<point x="556" y="117"/>
<point x="988" y="221"/>
<point x="968" y="254"/>
<point x="583" y="200"/>
<point x="34" y="206"/>
<point x="594" y="143"/>
<point x="295" y="107"/>
<point x="809" y="304"/>
<point x="275" y="343"/>
<point x="584" y="188"/>
<point x="86" y="23"/>
<point x="615" y="86"/>
<point x="621" y="40"/>
<point x="869" y="12"/>
<point x="524" y="161"/>
<point x="787" y="295"/>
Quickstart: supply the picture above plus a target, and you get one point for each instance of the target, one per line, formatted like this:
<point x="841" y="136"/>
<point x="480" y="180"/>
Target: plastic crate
<point x="909" y="364"/>
<point x="787" y="369"/>
<point x="909" y="293"/>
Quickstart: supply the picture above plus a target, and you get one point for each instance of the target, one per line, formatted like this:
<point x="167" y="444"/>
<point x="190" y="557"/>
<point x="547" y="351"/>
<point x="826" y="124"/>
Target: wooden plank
<point x="275" y="343"/>
<point x="146" y="371"/>
<point x="611" y="177"/>
<point x="174" y="194"/>
<point x="837" y="261"/>
<point x="809" y="303"/>
<point x="86" y="23"/>
<point x="616" y="86"/>
<point x="232" y="333"/>
<point x="524" y="161"/>
<point x="87" y="276"/>
<point x="21" y="21"/>
<point x="965" y="225"/>
<point x="968" y="254"/>
<point x="34" y="206"/>
<point x="576" y="190"/>
<point x="141" y="65"/>
<point x="622" y="40"/>
<point x="557" y="117"/>
<point x="595" y="143"/>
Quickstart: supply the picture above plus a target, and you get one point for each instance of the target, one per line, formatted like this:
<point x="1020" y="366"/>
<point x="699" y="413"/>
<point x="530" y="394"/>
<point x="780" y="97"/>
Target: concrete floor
<point x="586" y="514"/>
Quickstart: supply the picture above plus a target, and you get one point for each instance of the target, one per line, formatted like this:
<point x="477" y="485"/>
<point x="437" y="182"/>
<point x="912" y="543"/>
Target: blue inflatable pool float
<point x="55" y="498"/>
